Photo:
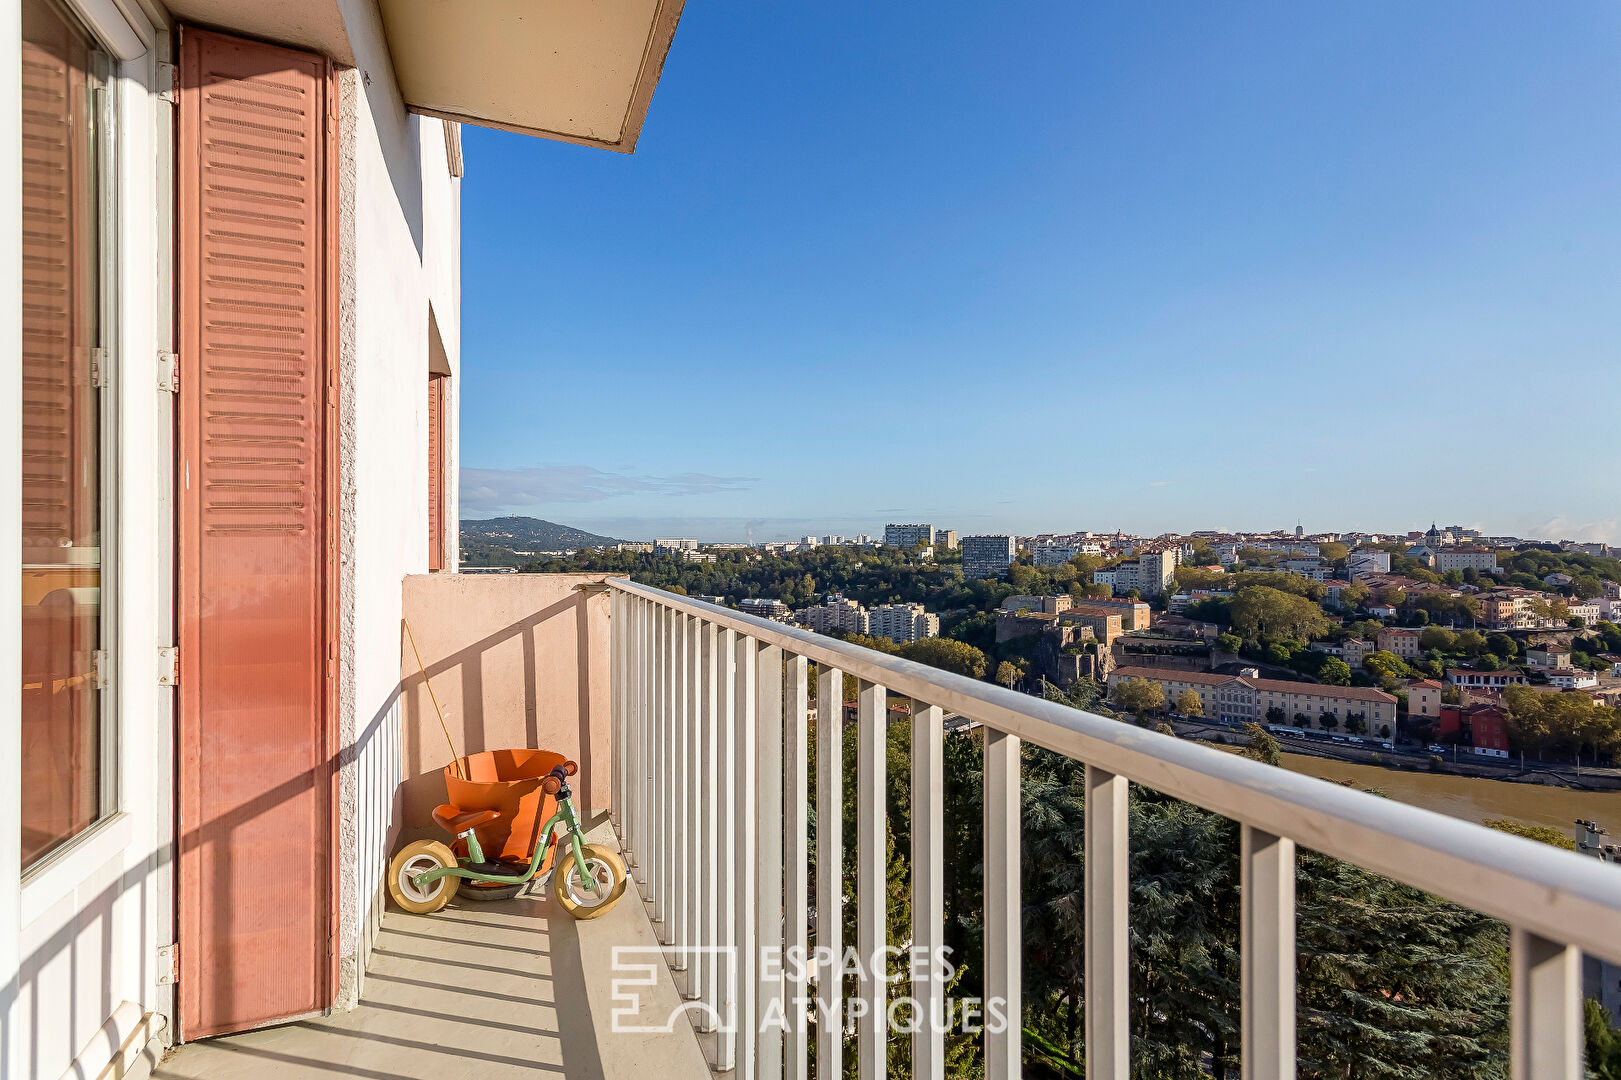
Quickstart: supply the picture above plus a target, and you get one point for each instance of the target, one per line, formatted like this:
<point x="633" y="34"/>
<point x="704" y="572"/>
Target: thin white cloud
<point x="1606" y="531"/>
<point x="496" y="490"/>
<point x="1159" y="483"/>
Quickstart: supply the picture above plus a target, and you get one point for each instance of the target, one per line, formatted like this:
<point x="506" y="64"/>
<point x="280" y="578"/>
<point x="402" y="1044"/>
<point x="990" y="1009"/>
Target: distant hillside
<point x="506" y="541"/>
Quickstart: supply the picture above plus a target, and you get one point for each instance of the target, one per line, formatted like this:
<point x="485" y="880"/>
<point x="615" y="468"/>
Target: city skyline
<point x="1173" y="266"/>
<point x="764" y="530"/>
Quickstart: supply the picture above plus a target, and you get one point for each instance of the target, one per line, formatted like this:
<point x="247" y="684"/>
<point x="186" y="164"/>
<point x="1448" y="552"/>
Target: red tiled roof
<point x="1278" y="686"/>
<point x="1354" y="693"/>
<point x="1203" y="678"/>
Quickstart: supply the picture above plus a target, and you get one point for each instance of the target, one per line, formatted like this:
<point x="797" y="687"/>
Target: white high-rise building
<point x="902" y="623"/>
<point x="1156" y="570"/>
<point x="834" y="615"/>
<point x="1366" y="561"/>
<point x="908" y="535"/>
<point x="987" y="556"/>
<point x="671" y="546"/>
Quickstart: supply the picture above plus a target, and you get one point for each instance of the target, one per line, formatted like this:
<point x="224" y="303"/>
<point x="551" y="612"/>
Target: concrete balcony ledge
<point x="479" y="990"/>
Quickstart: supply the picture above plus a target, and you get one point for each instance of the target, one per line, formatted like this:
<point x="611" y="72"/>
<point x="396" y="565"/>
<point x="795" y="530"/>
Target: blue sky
<point x="1053" y="266"/>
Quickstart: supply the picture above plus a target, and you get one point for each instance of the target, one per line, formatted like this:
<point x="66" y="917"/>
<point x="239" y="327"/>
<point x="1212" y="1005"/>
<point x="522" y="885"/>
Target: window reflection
<point x="61" y="459"/>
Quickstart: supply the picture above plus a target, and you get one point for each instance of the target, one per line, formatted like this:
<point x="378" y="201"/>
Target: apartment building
<point x="1589" y="611"/>
<point x="1365" y="561"/>
<point x="1481" y="727"/>
<point x="1423" y="698"/>
<point x="764" y="607"/>
<point x="1156" y="570"/>
<point x="902" y="623"/>
<point x="674" y="546"/>
<point x="987" y="556"/>
<point x="1512" y="609"/>
<point x="1398" y="640"/>
<point x="908" y="535"/>
<point x="835" y="615"/>
<point x="1466" y="558"/>
<point x="1240" y="698"/>
<point x="1053" y="554"/>
<point x="946" y="539"/>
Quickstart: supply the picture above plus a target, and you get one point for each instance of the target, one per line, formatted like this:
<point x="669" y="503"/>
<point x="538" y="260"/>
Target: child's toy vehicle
<point x="496" y="798"/>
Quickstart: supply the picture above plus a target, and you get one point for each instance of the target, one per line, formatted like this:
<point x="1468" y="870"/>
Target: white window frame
<point x="121" y="64"/>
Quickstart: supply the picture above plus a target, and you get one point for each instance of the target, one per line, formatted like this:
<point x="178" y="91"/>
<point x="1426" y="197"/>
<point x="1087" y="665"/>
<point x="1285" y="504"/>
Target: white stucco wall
<point x="400" y="223"/>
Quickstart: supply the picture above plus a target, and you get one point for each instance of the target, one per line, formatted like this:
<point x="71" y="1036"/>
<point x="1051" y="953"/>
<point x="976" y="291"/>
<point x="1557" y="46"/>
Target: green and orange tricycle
<point x="496" y="800"/>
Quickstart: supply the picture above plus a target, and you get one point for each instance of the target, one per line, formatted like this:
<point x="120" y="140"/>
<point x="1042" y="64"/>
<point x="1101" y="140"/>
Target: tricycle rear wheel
<point x="419" y="858"/>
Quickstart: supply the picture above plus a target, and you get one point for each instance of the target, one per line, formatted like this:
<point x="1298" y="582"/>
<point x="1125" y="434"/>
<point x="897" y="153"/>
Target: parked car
<point x="1387" y="746"/>
<point x="1436" y="748"/>
<point x="1336" y="738"/>
<point x="1353" y="738"/>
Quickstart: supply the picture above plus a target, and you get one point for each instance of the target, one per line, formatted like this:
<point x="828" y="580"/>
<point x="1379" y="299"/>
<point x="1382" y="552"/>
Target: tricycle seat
<point x="454" y="820"/>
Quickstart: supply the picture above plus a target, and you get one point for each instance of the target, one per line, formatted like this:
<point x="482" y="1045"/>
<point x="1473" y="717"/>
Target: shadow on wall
<point x="516" y="660"/>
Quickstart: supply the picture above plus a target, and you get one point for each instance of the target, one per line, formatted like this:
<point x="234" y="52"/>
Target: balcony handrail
<point x="1555" y="894"/>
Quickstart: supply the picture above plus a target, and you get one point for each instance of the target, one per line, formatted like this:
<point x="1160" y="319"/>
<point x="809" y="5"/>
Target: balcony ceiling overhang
<point x="581" y="71"/>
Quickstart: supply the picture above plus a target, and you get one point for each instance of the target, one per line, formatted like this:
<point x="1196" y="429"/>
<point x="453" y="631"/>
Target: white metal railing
<point x="711" y="798"/>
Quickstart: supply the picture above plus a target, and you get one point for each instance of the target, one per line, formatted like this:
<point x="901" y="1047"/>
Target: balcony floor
<point x="478" y="990"/>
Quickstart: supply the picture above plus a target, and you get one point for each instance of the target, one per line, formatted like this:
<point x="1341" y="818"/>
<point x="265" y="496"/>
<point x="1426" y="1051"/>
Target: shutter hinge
<point x="168" y="964"/>
<point x="168" y="80"/>
<point x="100" y="661"/>
<point x="168" y="665"/>
<point x="98" y="367"/>
<point x="168" y="372"/>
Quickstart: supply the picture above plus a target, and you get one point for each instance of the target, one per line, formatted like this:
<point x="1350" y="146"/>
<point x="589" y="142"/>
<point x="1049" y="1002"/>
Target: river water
<point x="1474" y="799"/>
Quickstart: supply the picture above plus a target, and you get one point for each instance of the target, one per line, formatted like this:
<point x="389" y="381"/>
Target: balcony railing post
<point x="680" y="887"/>
<point x="667" y="768"/>
<point x="1004" y="952"/>
<point x="1268" y="954"/>
<point x="635" y="781"/>
<point x="1546" y="1008"/>
<point x="726" y="855"/>
<point x="928" y="887"/>
<point x="1108" y="986"/>
<point x="616" y="669"/>
<point x="649" y="755"/>
<point x="747" y="824"/>
<point x="709" y="831"/>
<point x="829" y="873"/>
<point x="872" y="723"/>
<point x="768" y="906"/>
<point x="692" y="684"/>
<point x="796" y="796"/>
<point x="658" y="774"/>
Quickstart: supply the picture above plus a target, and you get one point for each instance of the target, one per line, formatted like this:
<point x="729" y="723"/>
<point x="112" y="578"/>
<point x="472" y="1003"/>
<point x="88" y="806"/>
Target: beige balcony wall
<point x="516" y="660"/>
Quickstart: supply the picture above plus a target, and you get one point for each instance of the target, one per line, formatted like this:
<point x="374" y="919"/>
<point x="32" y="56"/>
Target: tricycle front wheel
<point x="419" y="858"/>
<point x="573" y="890"/>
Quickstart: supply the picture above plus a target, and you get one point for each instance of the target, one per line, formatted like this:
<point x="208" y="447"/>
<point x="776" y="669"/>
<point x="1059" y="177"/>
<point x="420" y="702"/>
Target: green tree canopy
<point x="1137" y="695"/>
<point x="1265" y="614"/>
<point x="947" y="655"/>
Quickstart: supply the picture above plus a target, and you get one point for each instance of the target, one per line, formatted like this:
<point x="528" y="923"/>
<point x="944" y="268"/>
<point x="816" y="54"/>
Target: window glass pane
<point x="61" y="460"/>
